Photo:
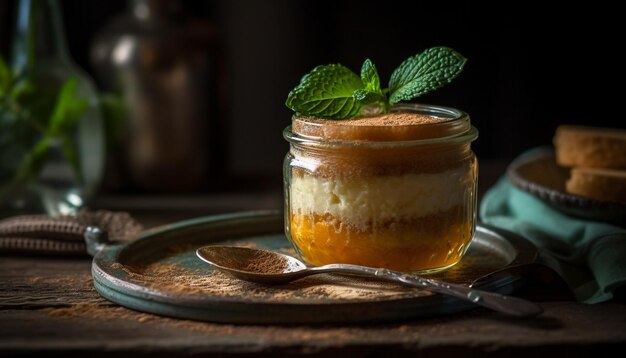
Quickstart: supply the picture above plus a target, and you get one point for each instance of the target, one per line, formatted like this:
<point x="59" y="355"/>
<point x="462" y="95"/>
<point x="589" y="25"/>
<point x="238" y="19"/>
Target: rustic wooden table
<point x="48" y="305"/>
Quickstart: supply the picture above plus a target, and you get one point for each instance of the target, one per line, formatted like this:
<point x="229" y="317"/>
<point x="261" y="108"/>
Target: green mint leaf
<point x="372" y="94"/>
<point x="368" y="97"/>
<point x="333" y="91"/>
<point x="424" y="72"/>
<point x="369" y="76"/>
<point x="327" y="92"/>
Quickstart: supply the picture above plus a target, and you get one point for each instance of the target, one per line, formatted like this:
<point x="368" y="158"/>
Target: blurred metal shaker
<point x="163" y="67"/>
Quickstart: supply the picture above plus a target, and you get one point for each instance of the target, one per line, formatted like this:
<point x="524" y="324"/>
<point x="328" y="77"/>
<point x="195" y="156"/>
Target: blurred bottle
<point x="163" y="66"/>
<point x="50" y="158"/>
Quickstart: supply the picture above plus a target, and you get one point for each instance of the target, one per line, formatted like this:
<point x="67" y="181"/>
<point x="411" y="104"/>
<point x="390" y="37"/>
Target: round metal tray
<point x="159" y="273"/>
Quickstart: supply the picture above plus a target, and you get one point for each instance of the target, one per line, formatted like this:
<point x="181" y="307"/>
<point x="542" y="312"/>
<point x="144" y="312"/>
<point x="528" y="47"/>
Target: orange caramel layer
<point x="420" y="244"/>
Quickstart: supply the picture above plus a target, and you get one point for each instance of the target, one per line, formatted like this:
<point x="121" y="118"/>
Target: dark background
<point x="530" y="67"/>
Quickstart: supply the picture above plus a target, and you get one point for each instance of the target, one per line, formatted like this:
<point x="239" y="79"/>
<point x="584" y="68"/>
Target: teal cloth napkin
<point x="590" y="256"/>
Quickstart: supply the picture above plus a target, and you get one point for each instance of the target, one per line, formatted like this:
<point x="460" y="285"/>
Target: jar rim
<point x="455" y="129"/>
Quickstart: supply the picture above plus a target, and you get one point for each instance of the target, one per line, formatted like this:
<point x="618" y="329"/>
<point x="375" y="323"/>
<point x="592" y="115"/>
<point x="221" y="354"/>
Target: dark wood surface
<point x="48" y="305"/>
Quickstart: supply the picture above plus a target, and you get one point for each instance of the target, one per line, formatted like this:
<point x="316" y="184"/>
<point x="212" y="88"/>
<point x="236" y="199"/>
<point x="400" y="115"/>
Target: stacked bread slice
<point x="597" y="158"/>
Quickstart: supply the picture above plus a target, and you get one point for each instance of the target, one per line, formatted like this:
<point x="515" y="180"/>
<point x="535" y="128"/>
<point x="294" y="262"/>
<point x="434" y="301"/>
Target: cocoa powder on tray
<point x="172" y="278"/>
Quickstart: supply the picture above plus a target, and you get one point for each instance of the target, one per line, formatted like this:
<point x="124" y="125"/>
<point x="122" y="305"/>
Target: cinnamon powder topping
<point x="391" y="119"/>
<point x="394" y="126"/>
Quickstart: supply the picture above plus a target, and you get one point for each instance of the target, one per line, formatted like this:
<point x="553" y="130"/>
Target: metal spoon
<point x="264" y="266"/>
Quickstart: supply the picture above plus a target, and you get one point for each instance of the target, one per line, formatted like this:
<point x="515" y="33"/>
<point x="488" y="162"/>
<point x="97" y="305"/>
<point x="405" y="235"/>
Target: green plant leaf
<point x="333" y="91"/>
<point x="6" y="78"/>
<point x="68" y="109"/>
<point x="371" y="94"/>
<point x="71" y="155"/>
<point x="32" y="118"/>
<point x="23" y="90"/>
<point x="366" y="97"/>
<point x="424" y="72"/>
<point x="327" y="92"/>
<point x="114" y="114"/>
<point x="369" y="76"/>
<point x="33" y="161"/>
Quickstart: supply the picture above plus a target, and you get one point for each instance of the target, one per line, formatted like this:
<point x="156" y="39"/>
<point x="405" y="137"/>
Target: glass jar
<point x="397" y="192"/>
<point x="51" y="129"/>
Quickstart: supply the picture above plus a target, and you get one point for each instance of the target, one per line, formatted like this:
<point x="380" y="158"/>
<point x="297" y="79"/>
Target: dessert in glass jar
<point x="395" y="188"/>
<point x="395" y="191"/>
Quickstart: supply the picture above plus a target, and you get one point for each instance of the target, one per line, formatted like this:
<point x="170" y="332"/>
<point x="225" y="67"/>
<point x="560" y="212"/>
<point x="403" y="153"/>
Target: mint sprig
<point x="327" y="92"/>
<point x="369" y="76"/>
<point x="371" y="94"/>
<point x="425" y="72"/>
<point x="335" y="92"/>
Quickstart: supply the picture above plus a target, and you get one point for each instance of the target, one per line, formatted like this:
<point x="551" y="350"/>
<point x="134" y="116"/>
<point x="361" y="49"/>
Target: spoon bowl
<point x="253" y="265"/>
<point x="268" y="267"/>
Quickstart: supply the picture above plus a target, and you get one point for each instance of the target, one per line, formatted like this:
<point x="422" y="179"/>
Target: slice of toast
<point x="601" y="184"/>
<point x="590" y="147"/>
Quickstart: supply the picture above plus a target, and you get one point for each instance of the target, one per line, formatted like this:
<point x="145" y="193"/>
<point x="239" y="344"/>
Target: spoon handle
<point x="495" y="301"/>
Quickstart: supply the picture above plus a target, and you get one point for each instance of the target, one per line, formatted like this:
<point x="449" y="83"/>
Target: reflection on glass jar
<point x="395" y="191"/>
